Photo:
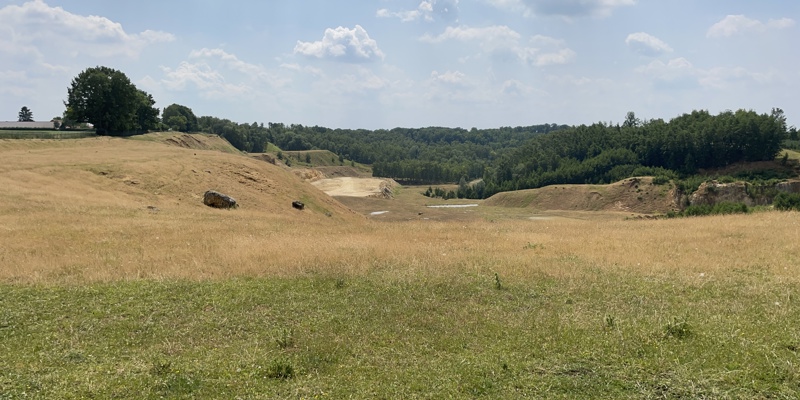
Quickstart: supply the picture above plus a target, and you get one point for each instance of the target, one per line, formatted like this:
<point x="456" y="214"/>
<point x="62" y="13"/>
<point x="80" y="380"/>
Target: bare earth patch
<point x="351" y="187"/>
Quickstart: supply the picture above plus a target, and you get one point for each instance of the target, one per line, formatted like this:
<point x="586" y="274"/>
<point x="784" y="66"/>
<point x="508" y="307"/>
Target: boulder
<point x="218" y="200"/>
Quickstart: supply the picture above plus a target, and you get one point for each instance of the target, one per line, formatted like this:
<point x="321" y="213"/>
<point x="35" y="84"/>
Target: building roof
<point x="27" y="125"/>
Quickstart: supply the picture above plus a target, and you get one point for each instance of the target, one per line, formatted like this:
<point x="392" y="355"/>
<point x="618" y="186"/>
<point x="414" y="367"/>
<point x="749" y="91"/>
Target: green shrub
<point x="661" y="180"/>
<point x="281" y="369"/>
<point x="722" y="208"/>
<point x="787" y="201"/>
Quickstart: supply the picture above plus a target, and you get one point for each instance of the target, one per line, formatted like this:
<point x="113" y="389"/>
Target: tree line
<point x="603" y="153"/>
<point x="503" y="159"/>
<point x="411" y="155"/>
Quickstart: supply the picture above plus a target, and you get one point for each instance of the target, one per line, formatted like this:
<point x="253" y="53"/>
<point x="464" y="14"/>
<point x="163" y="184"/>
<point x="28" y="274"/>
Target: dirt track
<point x="351" y="187"/>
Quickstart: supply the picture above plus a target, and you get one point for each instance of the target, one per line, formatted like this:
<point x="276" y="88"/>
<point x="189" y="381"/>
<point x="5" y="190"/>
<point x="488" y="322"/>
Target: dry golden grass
<point x="77" y="211"/>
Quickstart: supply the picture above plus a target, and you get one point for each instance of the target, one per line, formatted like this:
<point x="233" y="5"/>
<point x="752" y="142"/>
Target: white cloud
<point x="428" y="10"/>
<point x="54" y="31"/>
<point x="679" y="73"/>
<point x="646" y="44"/>
<point x="217" y="73"/>
<point x="562" y="8"/>
<point x="450" y="78"/>
<point x="548" y="51"/>
<point x="251" y="71"/>
<point x="492" y="35"/>
<point x="739" y="24"/>
<point x="209" y="82"/>
<point x="349" y="45"/>
<point x="501" y="40"/>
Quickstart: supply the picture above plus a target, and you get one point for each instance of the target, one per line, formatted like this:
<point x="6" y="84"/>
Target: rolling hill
<point x="159" y="170"/>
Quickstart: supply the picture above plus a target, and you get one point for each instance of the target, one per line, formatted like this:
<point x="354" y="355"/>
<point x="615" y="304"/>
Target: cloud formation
<point x="563" y="8"/>
<point x="342" y="44"/>
<point x="215" y="73"/>
<point x="739" y="24"/>
<point x="647" y="45"/>
<point x="501" y="40"/>
<point x="53" y="30"/>
<point x="428" y="10"/>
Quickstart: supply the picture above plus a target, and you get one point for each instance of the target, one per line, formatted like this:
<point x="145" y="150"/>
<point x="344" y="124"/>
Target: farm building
<point x="26" y="125"/>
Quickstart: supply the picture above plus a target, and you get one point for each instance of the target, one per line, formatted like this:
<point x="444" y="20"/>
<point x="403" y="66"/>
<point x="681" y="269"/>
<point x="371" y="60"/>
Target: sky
<point x="381" y="64"/>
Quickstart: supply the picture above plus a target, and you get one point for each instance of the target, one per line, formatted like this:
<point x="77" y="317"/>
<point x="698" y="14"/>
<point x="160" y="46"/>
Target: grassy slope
<point x="197" y="141"/>
<point x="102" y="297"/>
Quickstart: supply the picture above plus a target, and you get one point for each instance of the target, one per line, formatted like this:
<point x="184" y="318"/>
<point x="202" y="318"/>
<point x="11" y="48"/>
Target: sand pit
<point x="351" y="187"/>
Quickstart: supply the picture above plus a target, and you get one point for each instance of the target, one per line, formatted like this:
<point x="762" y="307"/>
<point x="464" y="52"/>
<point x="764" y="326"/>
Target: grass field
<point x="116" y="282"/>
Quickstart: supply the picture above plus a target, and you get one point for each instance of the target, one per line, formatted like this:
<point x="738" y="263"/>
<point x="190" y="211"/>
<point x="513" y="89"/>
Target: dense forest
<point x="426" y="155"/>
<point x="533" y="156"/>
<point x="602" y="153"/>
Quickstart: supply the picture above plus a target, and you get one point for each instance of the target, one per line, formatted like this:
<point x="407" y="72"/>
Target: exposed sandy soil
<point x="351" y="187"/>
<point x="634" y="195"/>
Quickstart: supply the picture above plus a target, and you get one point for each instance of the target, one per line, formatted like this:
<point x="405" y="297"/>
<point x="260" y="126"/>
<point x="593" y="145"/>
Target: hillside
<point x="636" y="195"/>
<point x="141" y="172"/>
<point x="197" y="141"/>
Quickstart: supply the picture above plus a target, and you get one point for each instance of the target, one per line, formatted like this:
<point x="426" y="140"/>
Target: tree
<point x="146" y="114"/>
<point x="107" y="99"/>
<point x="25" y="114"/>
<point x="180" y="118"/>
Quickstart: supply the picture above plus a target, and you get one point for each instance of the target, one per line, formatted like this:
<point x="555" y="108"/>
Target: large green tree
<point x="180" y="118"/>
<point x="106" y="98"/>
<point x="25" y="114"/>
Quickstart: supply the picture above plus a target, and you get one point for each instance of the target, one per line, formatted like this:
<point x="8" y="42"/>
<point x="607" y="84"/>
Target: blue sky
<point x="412" y="63"/>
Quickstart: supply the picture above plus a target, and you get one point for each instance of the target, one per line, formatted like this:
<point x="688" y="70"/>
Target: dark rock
<point x="218" y="200"/>
<point x="298" y="205"/>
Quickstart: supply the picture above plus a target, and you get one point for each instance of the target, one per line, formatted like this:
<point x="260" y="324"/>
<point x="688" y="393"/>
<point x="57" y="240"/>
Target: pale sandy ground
<point x="351" y="187"/>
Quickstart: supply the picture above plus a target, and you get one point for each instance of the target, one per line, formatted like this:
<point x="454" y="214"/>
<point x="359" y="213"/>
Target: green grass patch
<point x="44" y="134"/>
<point x="374" y="337"/>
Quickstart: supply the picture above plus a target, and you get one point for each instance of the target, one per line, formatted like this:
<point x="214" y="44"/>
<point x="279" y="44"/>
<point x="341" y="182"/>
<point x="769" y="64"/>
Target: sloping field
<point x="101" y="206"/>
<point x="635" y="195"/>
<point x="197" y="141"/>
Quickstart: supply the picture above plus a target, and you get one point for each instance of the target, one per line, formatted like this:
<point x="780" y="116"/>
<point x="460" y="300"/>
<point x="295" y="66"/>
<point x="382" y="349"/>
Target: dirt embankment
<point x="636" y="195"/>
<point x="741" y="192"/>
<point x="345" y="181"/>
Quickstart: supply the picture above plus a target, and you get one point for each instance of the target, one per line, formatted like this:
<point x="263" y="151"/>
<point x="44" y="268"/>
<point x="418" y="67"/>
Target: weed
<point x="340" y="283"/>
<point x="610" y="321"/>
<point x="286" y="339"/>
<point x="161" y="369"/>
<point x="678" y="329"/>
<point x="533" y="246"/>
<point x="280" y="369"/>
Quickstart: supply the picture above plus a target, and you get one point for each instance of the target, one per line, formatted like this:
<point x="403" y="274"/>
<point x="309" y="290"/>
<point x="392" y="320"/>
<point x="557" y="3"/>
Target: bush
<point x="722" y="208"/>
<point x="661" y="180"/>
<point x="787" y="201"/>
